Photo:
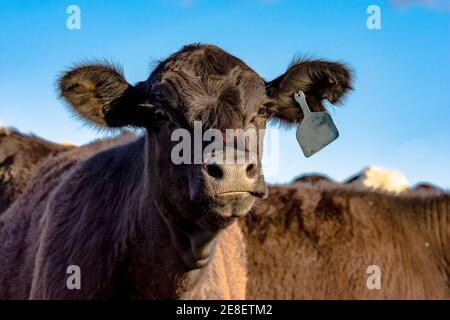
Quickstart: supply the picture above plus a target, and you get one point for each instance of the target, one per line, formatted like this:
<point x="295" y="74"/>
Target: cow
<point x="135" y="224"/>
<point x="20" y="157"/>
<point x="426" y="189"/>
<point x="313" y="179"/>
<point x="337" y="242"/>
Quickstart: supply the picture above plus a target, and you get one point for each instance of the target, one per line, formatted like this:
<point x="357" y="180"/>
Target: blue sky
<point x="397" y="116"/>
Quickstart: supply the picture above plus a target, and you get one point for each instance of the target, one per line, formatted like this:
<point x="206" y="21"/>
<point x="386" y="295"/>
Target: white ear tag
<point x="316" y="130"/>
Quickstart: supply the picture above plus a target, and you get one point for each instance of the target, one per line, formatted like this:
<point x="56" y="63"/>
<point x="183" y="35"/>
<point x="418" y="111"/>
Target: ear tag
<point x="317" y="129"/>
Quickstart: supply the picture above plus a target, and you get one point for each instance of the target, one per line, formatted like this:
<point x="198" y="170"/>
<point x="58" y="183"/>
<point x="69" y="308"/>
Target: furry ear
<point x="100" y="94"/>
<point x="317" y="79"/>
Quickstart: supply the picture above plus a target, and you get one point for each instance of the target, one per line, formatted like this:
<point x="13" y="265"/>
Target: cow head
<point x="202" y="84"/>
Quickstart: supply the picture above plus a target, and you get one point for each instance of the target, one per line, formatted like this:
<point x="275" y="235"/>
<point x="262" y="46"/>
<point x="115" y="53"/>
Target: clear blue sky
<point x="397" y="116"/>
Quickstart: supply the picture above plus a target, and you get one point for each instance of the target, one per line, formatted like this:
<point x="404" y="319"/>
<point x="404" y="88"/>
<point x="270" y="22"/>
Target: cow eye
<point x="156" y="115"/>
<point x="159" y="118"/>
<point x="262" y="111"/>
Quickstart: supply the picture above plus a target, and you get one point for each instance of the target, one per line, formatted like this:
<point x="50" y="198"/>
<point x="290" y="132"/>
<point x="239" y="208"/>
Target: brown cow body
<point x="307" y="242"/>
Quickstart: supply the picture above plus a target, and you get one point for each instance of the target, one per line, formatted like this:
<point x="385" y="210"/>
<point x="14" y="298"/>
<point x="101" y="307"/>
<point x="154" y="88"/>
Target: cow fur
<point x="307" y="242"/>
<point x="16" y="280"/>
<point x="20" y="157"/>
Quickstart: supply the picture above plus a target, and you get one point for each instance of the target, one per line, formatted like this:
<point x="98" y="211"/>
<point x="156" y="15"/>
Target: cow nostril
<point x="251" y="170"/>
<point x="214" y="171"/>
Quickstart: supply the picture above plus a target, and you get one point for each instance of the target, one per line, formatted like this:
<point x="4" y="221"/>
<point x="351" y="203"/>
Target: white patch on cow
<point x="392" y="181"/>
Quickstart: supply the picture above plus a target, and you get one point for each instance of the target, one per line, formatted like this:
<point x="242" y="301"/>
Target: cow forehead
<point x="203" y="60"/>
<point x="213" y="86"/>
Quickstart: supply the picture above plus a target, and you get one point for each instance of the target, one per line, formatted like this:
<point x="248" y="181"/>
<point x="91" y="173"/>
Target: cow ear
<point x="100" y="94"/>
<point x="316" y="78"/>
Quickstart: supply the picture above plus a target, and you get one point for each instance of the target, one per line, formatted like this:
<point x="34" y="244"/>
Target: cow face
<point x="202" y="85"/>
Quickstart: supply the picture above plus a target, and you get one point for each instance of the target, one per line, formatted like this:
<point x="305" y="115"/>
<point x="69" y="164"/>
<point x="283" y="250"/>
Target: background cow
<point x="20" y="157"/>
<point x="307" y="242"/>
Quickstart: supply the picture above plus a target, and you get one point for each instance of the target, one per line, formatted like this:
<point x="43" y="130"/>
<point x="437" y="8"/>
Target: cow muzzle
<point x="233" y="173"/>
